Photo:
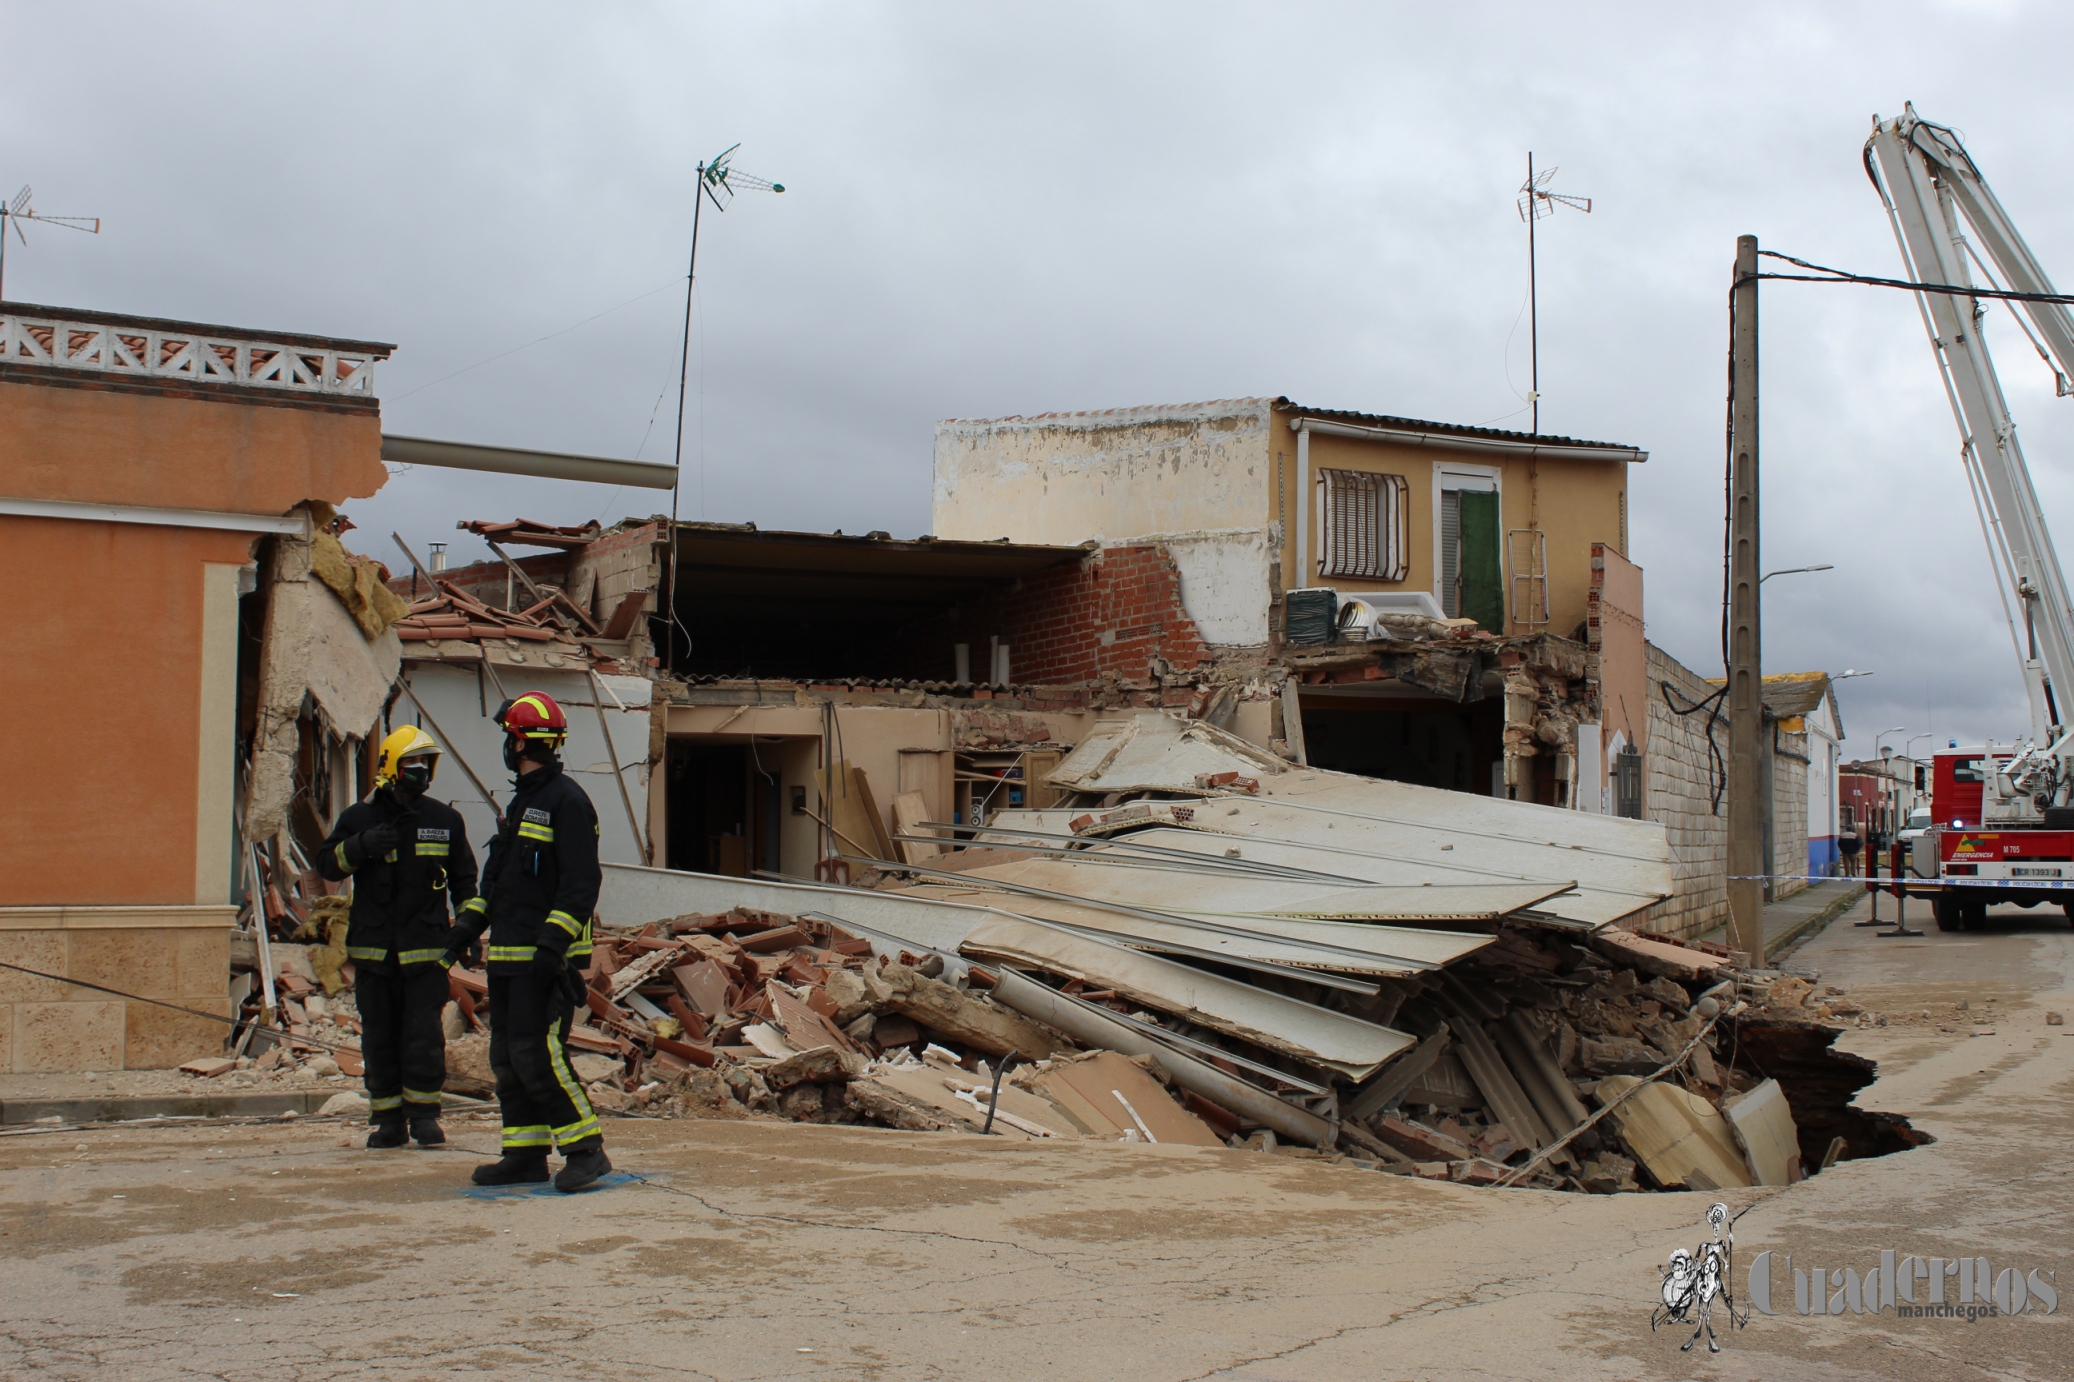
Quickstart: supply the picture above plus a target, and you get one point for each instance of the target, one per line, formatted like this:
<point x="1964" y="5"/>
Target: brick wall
<point x="1678" y="790"/>
<point x="1110" y="614"/>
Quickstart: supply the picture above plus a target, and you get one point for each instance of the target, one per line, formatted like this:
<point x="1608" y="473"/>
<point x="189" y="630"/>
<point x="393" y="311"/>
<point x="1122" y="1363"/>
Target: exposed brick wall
<point x="1109" y="615"/>
<point x="1678" y="789"/>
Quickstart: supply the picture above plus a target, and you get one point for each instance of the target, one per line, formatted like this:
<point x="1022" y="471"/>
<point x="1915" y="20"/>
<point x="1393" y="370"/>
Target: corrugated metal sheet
<point x="1318" y="1036"/>
<point x="1367" y="827"/>
<point x="1335" y="947"/>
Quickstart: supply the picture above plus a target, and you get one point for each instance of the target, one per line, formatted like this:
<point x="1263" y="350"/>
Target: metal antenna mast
<point x="1536" y="201"/>
<point x="719" y="181"/>
<point x="18" y="211"/>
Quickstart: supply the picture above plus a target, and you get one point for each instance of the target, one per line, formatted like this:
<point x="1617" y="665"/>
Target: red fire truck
<point x="1968" y="861"/>
<point x="2004" y="816"/>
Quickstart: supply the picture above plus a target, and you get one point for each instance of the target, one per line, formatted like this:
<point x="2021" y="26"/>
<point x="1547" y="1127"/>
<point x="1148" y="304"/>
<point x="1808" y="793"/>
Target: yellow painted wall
<point x="1576" y="503"/>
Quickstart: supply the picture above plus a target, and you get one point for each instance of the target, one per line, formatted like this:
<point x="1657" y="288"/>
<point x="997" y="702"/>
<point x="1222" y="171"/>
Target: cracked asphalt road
<point x="754" y="1250"/>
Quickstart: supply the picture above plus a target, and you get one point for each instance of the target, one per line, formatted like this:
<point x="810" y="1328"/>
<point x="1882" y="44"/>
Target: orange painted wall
<point x="100" y="687"/>
<point x="112" y="447"/>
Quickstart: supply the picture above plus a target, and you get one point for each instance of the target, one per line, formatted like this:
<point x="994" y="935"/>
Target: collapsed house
<point x="1425" y="981"/>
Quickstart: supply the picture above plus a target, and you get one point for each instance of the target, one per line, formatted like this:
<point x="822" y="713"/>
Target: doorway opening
<point x="725" y="809"/>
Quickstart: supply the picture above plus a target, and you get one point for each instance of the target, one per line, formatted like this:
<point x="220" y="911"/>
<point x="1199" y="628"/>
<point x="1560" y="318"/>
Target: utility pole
<point x="1747" y="807"/>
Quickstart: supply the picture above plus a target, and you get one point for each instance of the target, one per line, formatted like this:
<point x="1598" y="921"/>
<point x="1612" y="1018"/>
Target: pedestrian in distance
<point x="408" y="858"/>
<point x="540" y="887"/>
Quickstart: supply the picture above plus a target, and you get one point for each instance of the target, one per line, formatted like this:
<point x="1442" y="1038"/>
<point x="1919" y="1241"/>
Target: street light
<point x="1906" y="751"/>
<point x="1794" y="571"/>
<point x="1883" y="734"/>
<point x="1844" y="675"/>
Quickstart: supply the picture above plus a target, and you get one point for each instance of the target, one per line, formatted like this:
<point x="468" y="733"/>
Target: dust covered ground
<point x="751" y="1250"/>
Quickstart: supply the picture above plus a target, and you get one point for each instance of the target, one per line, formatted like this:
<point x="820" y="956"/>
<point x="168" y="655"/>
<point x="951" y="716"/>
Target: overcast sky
<point x="998" y="209"/>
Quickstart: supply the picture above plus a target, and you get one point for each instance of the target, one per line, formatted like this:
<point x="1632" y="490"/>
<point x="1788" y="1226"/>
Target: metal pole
<point x="1746" y="805"/>
<point x="1533" y="302"/>
<point x="691" y="275"/>
<point x="612" y="756"/>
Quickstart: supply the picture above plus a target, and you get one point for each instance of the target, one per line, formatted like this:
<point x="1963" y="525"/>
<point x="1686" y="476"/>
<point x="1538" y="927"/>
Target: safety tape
<point x="1886" y="881"/>
<point x="419" y="1096"/>
<point x="567" y="923"/>
<point x="475" y="904"/>
<point x="420" y="957"/>
<point x="385" y="1103"/>
<point x="530" y="831"/>
<point x="428" y="849"/>
<point x="366" y="952"/>
<point x="511" y="954"/>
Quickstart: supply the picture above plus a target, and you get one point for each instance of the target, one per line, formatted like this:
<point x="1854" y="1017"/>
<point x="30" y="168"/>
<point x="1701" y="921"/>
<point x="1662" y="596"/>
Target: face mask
<point x="414" y="777"/>
<point x="511" y="751"/>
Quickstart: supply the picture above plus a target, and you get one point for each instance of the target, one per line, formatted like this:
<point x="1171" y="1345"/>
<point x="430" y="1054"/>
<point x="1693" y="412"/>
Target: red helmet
<point x="534" y="716"/>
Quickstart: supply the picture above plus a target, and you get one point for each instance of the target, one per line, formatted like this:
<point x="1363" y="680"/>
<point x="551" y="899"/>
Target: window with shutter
<point x="1363" y="525"/>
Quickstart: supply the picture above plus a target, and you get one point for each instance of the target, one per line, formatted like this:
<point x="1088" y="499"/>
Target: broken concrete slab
<point x="1675" y="1134"/>
<point x="978" y="1023"/>
<point x="1763" y="1126"/>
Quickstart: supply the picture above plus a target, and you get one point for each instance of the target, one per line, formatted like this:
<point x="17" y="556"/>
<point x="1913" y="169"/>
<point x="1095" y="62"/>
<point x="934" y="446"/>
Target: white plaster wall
<point x="462" y="708"/>
<point x="1068" y="477"/>
<point x="1226" y="581"/>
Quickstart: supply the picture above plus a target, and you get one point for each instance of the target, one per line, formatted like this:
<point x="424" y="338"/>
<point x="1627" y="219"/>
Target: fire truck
<point x="2003" y="816"/>
<point x="1965" y="862"/>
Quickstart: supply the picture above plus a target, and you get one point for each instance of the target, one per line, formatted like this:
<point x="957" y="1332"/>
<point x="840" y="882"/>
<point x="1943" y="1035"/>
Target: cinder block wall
<point x="1789" y="811"/>
<point x="1678" y="790"/>
<point x="174" y="954"/>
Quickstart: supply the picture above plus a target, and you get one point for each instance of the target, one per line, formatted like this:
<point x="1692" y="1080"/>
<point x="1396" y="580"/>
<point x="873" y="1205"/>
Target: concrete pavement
<point x="766" y="1250"/>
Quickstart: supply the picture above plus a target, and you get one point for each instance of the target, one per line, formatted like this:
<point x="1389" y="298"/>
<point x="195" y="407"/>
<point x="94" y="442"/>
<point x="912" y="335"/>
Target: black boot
<point x="582" y="1169"/>
<point x="526" y="1167"/>
<point x="387" y="1134"/>
<point x="426" y="1132"/>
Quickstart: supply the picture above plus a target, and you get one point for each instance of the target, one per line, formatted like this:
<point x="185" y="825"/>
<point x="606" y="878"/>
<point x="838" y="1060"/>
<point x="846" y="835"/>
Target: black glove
<point x="574" y="989"/>
<point x="455" y="955"/>
<point x="548" y="962"/>
<point x="373" y="843"/>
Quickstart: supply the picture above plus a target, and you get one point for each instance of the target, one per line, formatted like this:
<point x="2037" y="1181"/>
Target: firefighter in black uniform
<point x="409" y="860"/>
<point x="540" y="886"/>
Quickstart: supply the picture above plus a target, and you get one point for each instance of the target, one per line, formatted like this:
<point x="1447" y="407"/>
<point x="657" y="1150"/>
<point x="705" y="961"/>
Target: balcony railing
<point x="178" y="352"/>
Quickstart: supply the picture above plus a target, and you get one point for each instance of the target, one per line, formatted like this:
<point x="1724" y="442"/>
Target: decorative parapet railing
<point x="182" y="352"/>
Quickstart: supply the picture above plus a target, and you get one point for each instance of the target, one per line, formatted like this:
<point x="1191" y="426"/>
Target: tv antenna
<point x="1536" y="201"/>
<point x="718" y="180"/>
<point x="16" y="211"/>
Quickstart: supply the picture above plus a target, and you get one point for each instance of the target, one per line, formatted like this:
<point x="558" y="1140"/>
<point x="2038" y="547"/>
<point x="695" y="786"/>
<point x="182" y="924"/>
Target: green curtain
<point x="1483" y="584"/>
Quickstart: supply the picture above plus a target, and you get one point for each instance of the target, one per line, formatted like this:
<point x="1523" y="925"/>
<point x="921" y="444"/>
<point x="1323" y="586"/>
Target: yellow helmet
<point x="408" y="742"/>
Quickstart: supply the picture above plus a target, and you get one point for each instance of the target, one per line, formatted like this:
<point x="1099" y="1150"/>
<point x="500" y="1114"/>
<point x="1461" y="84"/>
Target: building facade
<point x="143" y="463"/>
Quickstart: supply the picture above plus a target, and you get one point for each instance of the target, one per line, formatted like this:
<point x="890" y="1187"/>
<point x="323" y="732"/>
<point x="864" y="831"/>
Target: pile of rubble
<point x="1572" y="1064"/>
<point x="751" y="1013"/>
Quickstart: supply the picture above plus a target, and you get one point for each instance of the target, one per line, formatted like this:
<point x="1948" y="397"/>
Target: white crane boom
<point x="1934" y="192"/>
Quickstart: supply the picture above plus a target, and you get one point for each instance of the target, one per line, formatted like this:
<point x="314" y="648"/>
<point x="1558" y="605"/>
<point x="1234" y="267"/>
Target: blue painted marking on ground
<point x="610" y="1180"/>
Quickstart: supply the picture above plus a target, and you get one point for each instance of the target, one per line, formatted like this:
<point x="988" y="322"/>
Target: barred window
<point x="1363" y="528"/>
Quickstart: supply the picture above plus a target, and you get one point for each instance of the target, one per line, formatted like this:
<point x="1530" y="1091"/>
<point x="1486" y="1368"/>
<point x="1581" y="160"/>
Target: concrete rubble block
<point x="975" y="1022"/>
<point x="1617" y="1055"/>
<point x="817" y="1065"/>
<point x="209" y="1067"/>
<point x="347" y="1104"/>
<point x="847" y="990"/>
<point x="891" y="1108"/>
<point x="1419" y="1142"/>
